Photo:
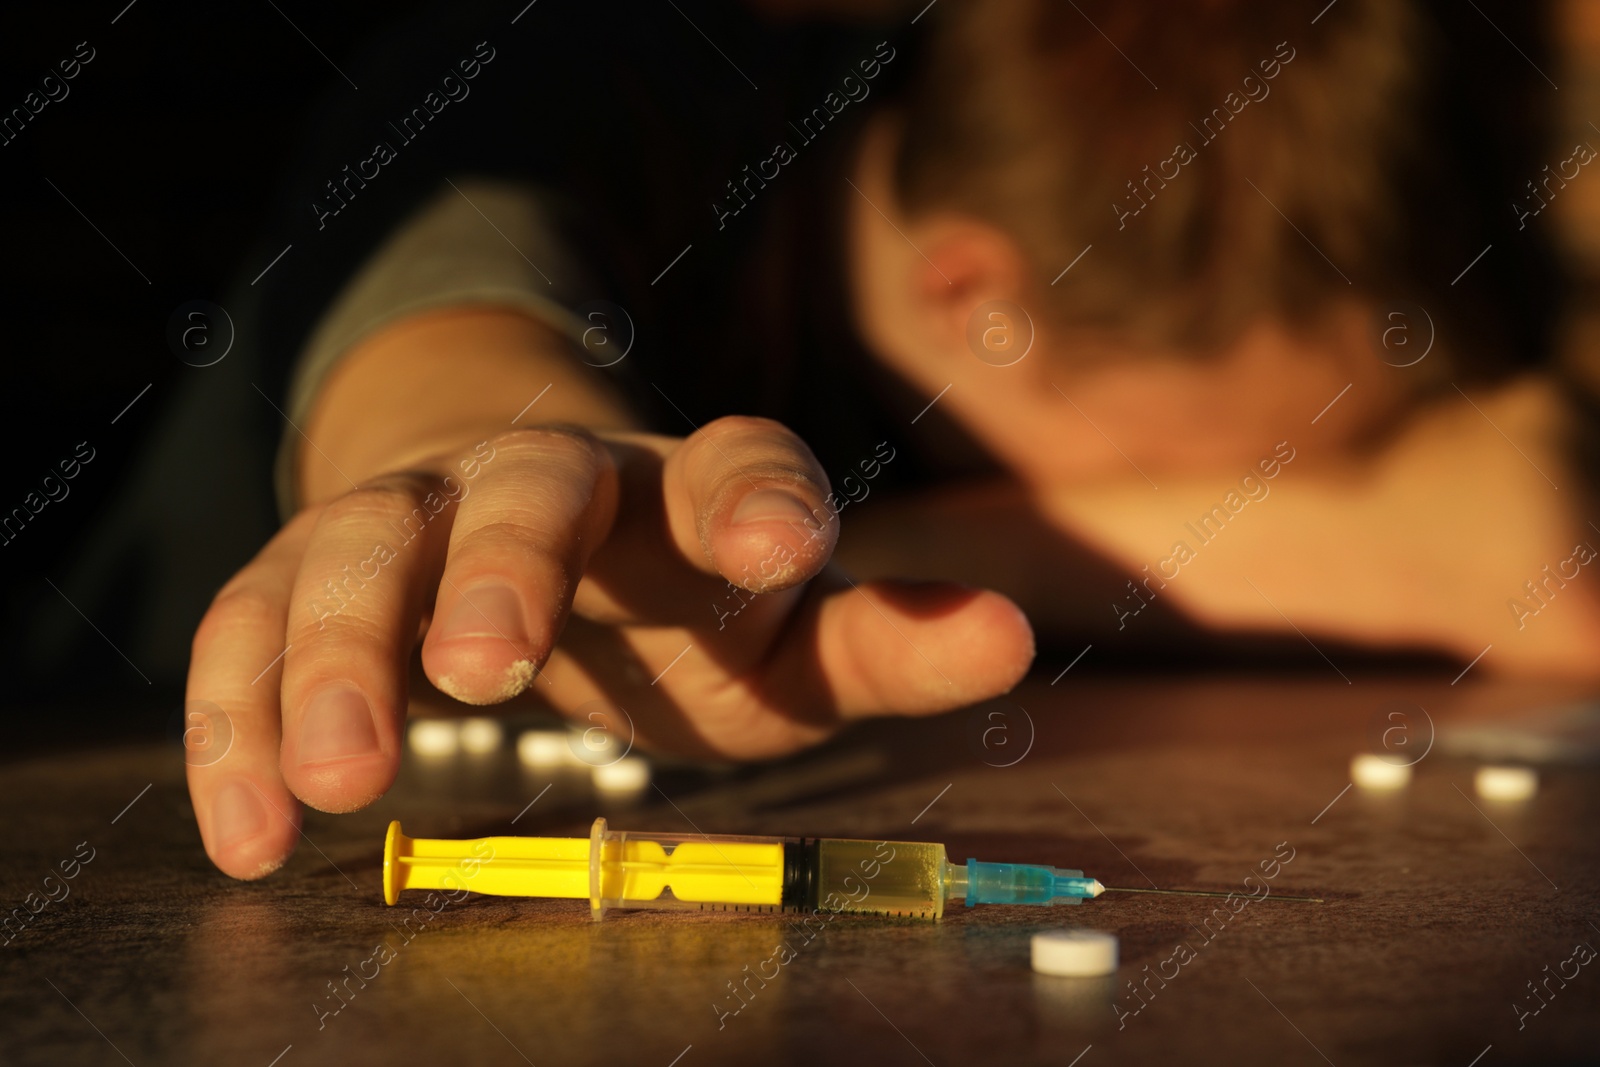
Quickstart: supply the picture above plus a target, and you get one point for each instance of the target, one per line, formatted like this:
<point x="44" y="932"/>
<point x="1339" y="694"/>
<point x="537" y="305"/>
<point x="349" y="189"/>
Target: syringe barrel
<point x="902" y="879"/>
<point x="695" y="872"/>
<point x="821" y="876"/>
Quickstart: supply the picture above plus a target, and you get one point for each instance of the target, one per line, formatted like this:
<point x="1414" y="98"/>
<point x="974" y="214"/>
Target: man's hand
<point x="585" y="567"/>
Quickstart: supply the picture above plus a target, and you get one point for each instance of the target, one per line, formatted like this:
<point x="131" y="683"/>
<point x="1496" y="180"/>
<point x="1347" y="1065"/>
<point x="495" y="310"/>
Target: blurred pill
<point x="1506" y="783"/>
<point x="630" y="774"/>
<point x="1074" y="953"/>
<point x="480" y="734"/>
<point x="1370" y="771"/>
<point x="434" y="737"/>
<point x="543" y="748"/>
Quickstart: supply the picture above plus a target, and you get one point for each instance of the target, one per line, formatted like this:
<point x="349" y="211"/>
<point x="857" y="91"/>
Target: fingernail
<point x="769" y="505"/>
<point x="237" y="814"/>
<point x="337" y="724"/>
<point x="486" y="611"/>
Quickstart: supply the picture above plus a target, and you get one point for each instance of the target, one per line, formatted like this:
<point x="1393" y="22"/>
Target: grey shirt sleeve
<point x="476" y="242"/>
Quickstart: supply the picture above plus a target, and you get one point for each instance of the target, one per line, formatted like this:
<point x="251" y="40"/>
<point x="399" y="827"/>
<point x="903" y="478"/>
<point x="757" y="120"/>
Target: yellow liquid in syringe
<point x="620" y="869"/>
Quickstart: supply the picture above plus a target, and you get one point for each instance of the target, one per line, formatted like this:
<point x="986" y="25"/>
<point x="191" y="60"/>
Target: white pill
<point x="434" y="737"/>
<point x="1370" y="771"/>
<point x="1506" y="783"/>
<point x="1075" y="953"/>
<point x="480" y="734"/>
<point x="543" y="748"/>
<point x="630" y="774"/>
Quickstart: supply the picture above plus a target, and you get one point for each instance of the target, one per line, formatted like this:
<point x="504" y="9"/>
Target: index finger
<point x="740" y="501"/>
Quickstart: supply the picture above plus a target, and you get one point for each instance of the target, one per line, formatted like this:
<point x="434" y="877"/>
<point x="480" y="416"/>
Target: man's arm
<point x="438" y="378"/>
<point x="610" y="569"/>
<point x="1429" y="543"/>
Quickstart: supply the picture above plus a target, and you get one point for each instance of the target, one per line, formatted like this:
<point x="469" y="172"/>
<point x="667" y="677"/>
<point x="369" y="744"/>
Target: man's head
<point x="1196" y="211"/>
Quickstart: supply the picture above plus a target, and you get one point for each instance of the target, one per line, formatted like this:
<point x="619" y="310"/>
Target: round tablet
<point x="629" y="774"/>
<point x="480" y="734"/>
<point x="434" y="737"/>
<point x="543" y="748"/>
<point x="1075" y="953"/>
<point x="1370" y="771"/>
<point x="1506" y="783"/>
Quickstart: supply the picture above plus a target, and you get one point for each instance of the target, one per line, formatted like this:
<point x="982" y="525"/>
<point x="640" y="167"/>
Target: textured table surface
<point x="1440" y="908"/>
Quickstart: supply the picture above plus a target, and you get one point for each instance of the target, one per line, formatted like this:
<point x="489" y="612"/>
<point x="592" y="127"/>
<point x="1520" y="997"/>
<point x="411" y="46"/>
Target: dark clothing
<point x="704" y="194"/>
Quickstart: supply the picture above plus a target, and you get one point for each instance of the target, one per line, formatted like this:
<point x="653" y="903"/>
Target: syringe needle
<point x="1209" y="893"/>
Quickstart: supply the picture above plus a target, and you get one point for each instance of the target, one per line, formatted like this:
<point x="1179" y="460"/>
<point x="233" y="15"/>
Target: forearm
<point x="994" y="535"/>
<point x="1422" y="546"/>
<point x="439" y="379"/>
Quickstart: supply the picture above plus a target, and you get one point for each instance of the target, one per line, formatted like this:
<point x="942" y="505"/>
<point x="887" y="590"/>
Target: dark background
<point x="172" y="143"/>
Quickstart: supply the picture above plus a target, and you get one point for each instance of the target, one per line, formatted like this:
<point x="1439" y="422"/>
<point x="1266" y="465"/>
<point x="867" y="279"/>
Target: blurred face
<point x="948" y="299"/>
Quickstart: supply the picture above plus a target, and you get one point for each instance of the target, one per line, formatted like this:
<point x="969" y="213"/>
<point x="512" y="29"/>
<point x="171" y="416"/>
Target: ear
<point x="964" y="263"/>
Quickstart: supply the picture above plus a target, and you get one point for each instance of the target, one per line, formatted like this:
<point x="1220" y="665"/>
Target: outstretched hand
<point x="685" y="581"/>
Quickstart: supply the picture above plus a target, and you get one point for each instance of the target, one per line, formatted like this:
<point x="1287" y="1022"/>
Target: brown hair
<point x="1045" y="118"/>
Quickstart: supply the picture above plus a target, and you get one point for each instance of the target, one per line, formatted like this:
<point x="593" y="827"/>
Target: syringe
<point x="715" y="872"/>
